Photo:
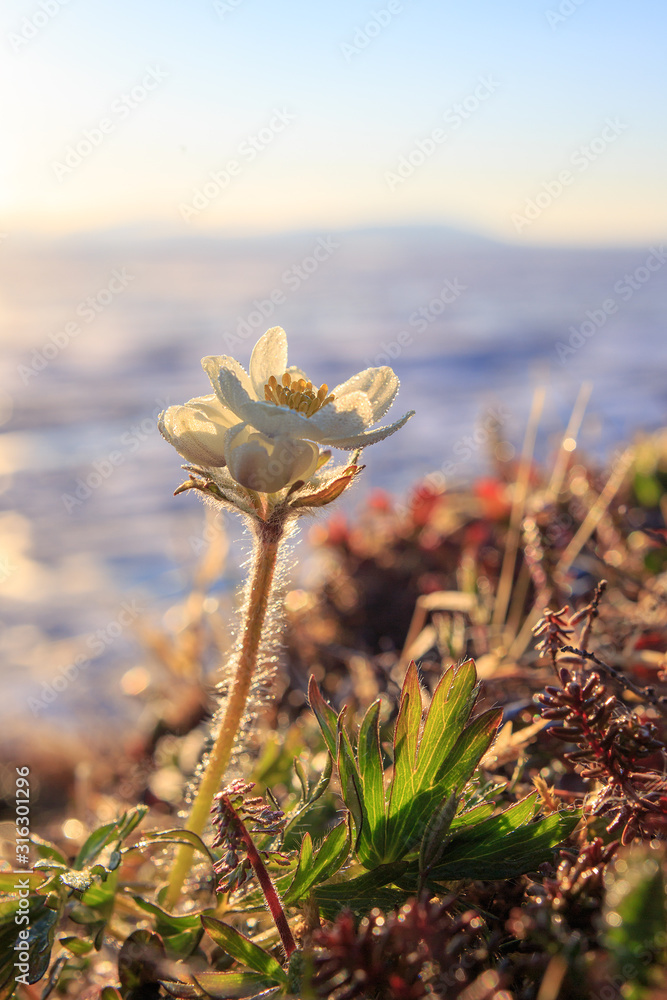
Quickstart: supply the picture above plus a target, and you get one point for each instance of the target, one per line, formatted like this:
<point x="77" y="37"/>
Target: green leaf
<point x="30" y="880"/>
<point x="99" y="895"/>
<point x="436" y="835"/>
<point x="325" y="716"/>
<point x="350" y="779"/>
<point x="140" y="959"/>
<point x="372" y="842"/>
<point x="110" y="993"/>
<point x="361" y="893"/>
<point x="406" y="734"/>
<point x="180" y="934"/>
<point x="300" y="772"/>
<point x="473" y="816"/>
<point x="460" y="764"/>
<point x="316" y="793"/>
<point x="130" y="820"/>
<point x="243" y="949"/>
<point x="501" y="851"/>
<point x="407" y="828"/>
<point x="76" y="945"/>
<point x="40" y="923"/>
<point x="330" y="857"/>
<point x="236" y="985"/>
<point x="444" y="753"/>
<point x="44" y="849"/>
<point x="449" y="711"/>
<point x="95" y="844"/>
<point x="174" y="837"/>
<point x="635" y="914"/>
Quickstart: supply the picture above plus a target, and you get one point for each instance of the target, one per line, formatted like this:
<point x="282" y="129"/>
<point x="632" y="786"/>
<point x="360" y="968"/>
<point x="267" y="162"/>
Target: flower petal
<point x="379" y="384"/>
<point x="268" y="464"/>
<point x="214" y="364"/>
<point x="349" y="415"/>
<point x="211" y="408"/>
<point x="197" y="431"/>
<point x="368" y="437"/>
<point x="269" y="357"/>
<point x="268" y="418"/>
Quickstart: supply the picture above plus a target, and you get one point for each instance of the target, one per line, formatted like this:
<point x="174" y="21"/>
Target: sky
<point x="534" y="121"/>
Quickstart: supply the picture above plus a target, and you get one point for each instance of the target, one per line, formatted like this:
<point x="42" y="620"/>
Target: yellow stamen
<point x="298" y="394"/>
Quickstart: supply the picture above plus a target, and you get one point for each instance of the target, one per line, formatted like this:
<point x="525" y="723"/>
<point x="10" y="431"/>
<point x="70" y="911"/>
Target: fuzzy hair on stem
<point x="252" y="666"/>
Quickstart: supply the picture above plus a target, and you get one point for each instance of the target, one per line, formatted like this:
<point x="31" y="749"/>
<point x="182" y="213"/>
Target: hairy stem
<point x="269" y="535"/>
<point x="268" y="888"/>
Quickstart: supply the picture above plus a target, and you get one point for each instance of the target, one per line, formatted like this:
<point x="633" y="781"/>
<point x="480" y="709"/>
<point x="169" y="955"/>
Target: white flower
<point x="265" y="426"/>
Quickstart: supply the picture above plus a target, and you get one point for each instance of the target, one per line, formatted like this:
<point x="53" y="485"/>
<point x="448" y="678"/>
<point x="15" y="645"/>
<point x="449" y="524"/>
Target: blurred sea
<point x="99" y="334"/>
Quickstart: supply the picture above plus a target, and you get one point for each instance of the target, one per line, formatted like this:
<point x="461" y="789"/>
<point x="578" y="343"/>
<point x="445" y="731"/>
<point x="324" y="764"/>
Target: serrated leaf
<point x="406" y="736"/>
<point x="469" y="749"/>
<point x="243" y="949"/>
<point x="470" y="817"/>
<point x="372" y="843"/>
<point x="448" y="713"/>
<point x="504" y="853"/>
<point x="361" y="893"/>
<point x="407" y="828"/>
<point x="325" y="715"/>
<point x="330" y="857"/>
